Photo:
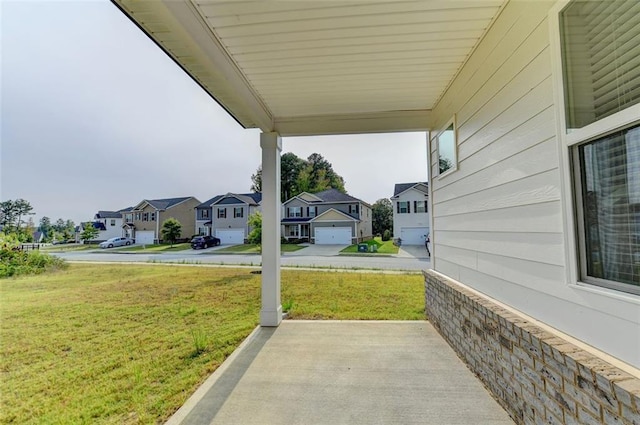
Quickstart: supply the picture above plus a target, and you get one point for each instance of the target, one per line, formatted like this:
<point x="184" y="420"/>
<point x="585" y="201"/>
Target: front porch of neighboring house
<point x="296" y="229"/>
<point x="129" y="230"/>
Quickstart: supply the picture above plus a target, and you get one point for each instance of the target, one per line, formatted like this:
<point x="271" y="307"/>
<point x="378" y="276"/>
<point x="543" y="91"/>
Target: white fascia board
<point x="374" y="122"/>
<point x="335" y="210"/>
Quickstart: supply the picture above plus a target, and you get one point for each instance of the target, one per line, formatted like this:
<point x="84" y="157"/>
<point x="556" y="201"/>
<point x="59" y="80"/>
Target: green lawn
<point x="383" y="247"/>
<point x="255" y="249"/>
<point x="154" y="248"/>
<point x="69" y="247"/>
<point x="114" y="344"/>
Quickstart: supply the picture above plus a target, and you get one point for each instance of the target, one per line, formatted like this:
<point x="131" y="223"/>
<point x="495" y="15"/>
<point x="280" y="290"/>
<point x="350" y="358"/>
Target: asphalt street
<point x="412" y="260"/>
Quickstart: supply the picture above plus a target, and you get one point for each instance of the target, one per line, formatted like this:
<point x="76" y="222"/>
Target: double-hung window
<point x="600" y="48"/>
<point x="403" y="207"/>
<point x="238" y="212"/>
<point x="420" y="206"/>
<point x="295" y="212"/>
<point x="222" y="213"/>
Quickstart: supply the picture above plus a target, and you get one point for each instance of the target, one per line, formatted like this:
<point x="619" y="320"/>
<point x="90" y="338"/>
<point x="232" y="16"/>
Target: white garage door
<point x="144" y="237"/>
<point x="413" y="235"/>
<point x="333" y="235"/>
<point x="230" y="237"/>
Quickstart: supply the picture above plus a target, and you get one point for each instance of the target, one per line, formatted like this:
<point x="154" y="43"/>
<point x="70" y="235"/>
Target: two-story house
<point x="410" y="212"/>
<point x="227" y="216"/>
<point x="327" y="217"/>
<point x="144" y="221"/>
<point x="109" y="224"/>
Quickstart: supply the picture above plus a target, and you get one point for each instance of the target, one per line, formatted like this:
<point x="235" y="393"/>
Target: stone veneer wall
<point x="537" y="377"/>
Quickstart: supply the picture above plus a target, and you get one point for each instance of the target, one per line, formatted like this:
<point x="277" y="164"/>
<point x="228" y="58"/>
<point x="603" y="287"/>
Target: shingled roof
<point x="163" y="204"/>
<point x="401" y="187"/>
<point x="334" y="195"/>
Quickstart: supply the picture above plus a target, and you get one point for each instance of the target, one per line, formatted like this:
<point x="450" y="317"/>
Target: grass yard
<point x="69" y="247"/>
<point x="125" y="344"/>
<point x="254" y="249"/>
<point x="386" y="247"/>
<point x="153" y="248"/>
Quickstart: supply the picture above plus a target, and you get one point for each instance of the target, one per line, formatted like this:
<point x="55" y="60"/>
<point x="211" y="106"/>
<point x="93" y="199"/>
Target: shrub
<point x="14" y="262"/>
<point x="386" y="235"/>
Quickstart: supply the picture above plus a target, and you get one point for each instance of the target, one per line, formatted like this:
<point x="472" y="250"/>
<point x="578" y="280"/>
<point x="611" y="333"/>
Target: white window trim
<point x="452" y="122"/>
<point x="566" y="141"/>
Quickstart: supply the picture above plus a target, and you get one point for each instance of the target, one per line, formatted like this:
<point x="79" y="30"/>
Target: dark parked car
<point x="204" y="242"/>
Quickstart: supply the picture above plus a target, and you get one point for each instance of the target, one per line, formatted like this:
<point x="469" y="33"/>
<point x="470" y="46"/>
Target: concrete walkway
<point x="343" y="372"/>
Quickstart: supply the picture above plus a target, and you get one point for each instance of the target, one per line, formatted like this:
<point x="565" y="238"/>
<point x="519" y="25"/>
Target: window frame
<point x="221" y="213"/>
<point x="399" y="208"/>
<point x="235" y="212"/>
<point x="453" y="123"/>
<point x="204" y="213"/>
<point x="568" y="143"/>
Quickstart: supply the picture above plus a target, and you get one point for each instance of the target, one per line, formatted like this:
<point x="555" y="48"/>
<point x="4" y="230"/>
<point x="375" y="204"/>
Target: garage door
<point x="230" y="237"/>
<point x="413" y="235"/>
<point x="333" y="235"/>
<point x="145" y="237"/>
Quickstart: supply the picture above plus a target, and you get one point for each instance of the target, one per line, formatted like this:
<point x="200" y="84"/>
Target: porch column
<point x="271" y="312"/>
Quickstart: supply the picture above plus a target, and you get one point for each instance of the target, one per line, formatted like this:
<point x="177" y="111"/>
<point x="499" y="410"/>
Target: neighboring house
<point x="226" y="216"/>
<point x="144" y="221"/>
<point x="327" y="217"/>
<point x="411" y="212"/>
<point x="38" y="237"/>
<point x="109" y="224"/>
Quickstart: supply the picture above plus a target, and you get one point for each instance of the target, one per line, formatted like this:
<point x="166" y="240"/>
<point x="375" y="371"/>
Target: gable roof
<point x="247" y="198"/>
<point x="403" y="187"/>
<point x="326" y="197"/>
<point x="333" y="211"/>
<point x="163" y="204"/>
<point x="209" y="202"/>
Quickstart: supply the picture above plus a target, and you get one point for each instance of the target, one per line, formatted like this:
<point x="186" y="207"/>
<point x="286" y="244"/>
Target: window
<point x="152" y="216"/>
<point x="600" y="49"/>
<point x="446" y="147"/>
<point x="222" y="213"/>
<point x="202" y="231"/>
<point x="312" y="212"/>
<point x="204" y="213"/>
<point x="601" y="112"/>
<point x="145" y="216"/>
<point x="238" y="212"/>
<point x="113" y="221"/>
<point x="138" y="215"/>
<point x="294" y="212"/>
<point x="403" y="207"/>
<point x="129" y="218"/>
<point x="353" y="209"/>
<point x="420" y="206"/>
<point x="293" y="231"/>
<point x="608" y="188"/>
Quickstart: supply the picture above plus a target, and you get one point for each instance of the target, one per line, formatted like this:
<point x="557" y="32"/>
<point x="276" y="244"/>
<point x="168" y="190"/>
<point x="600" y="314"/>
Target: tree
<point x="89" y="232"/>
<point x="171" y="229"/>
<point x="297" y="175"/>
<point x="45" y="227"/>
<point x="12" y="212"/>
<point x="382" y="211"/>
<point x="255" y="224"/>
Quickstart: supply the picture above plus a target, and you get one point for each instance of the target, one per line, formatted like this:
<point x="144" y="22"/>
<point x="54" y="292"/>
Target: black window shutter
<point x="415" y="206"/>
<point x="398" y="207"/>
<point x="357" y="208"/>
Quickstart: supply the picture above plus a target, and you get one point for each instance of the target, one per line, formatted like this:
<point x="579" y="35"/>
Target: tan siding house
<point x="144" y="221"/>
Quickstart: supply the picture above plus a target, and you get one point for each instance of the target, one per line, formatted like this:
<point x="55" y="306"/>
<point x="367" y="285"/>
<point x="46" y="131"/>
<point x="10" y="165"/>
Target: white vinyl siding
<point x="498" y="223"/>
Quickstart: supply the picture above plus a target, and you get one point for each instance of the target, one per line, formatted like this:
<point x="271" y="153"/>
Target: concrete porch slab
<point x="343" y="372"/>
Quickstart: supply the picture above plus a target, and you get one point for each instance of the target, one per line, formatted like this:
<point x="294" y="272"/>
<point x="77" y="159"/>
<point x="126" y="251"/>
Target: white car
<point x="110" y="243"/>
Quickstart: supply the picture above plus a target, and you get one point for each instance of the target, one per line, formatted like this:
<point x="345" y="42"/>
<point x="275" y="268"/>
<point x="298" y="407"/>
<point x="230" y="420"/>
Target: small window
<point x="446" y="149"/>
<point x="152" y="216"/>
<point x="295" y="212"/>
<point x="138" y="216"/>
<point x="420" y="206"/>
<point x="129" y="218"/>
<point x="145" y="216"/>
<point x="204" y="213"/>
<point x="403" y="207"/>
<point x="293" y="231"/>
<point x="353" y="209"/>
<point x="113" y="221"/>
<point x="312" y="212"/>
<point x="222" y="213"/>
<point x="238" y="212"/>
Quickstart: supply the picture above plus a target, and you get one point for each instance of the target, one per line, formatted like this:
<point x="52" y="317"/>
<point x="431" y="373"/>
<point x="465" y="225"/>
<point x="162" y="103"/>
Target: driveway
<point x="412" y="251"/>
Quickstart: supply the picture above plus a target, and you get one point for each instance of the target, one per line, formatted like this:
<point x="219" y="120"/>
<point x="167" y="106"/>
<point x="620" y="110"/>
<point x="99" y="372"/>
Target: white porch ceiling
<point x="319" y="67"/>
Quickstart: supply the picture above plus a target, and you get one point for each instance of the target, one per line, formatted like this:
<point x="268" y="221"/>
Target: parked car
<point x="110" y="243"/>
<point x="204" y="242"/>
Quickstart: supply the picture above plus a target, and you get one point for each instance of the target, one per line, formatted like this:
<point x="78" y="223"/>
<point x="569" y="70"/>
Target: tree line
<point x="16" y="218"/>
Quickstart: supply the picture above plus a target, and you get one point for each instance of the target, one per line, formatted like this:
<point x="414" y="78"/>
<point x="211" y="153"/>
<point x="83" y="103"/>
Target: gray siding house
<point x="327" y="217"/>
<point x="226" y="216"/>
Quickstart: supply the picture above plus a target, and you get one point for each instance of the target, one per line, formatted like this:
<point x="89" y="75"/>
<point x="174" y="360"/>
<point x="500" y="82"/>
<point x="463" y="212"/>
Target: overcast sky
<point x="96" y="117"/>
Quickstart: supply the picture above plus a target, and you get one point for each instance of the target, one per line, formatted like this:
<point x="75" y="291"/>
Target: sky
<point x="94" y="116"/>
